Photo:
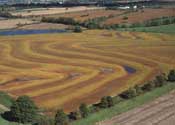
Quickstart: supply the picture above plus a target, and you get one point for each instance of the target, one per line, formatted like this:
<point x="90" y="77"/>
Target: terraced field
<point x="64" y="70"/>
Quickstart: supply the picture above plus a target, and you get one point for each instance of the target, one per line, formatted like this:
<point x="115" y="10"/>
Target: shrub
<point x="148" y="86"/>
<point x="61" y="118"/>
<point x="84" y="111"/>
<point x="117" y="99"/>
<point x="74" y="115"/>
<point x="77" y="29"/>
<point x="103" y="102"/>
<point x="160" y="80"/>
<point x="138" y="90"/>
<point x="123" y="26"/>
<point x="106" y="102"/>
<point x="166" y="21"/>
<point x="24" y="110"/>
<point x="110" y="101"/>
<point x="130" y="93"/>
<point x="171" y="76"/>
<point x="94" y="108"/>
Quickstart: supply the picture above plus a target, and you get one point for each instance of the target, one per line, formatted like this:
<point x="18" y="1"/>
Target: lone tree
<point x="84" y="111"/>
<point x="171" y="76"/>
<point x="61" y="118"/>
<point x="23" y="110"/>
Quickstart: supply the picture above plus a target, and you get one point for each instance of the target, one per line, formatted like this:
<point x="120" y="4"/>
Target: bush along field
<point x="23" y="110"/>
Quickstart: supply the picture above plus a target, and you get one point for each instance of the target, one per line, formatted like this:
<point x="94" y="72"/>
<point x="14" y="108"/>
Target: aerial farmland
<point x="91" y="65"/>
<point x="81" y="65"/>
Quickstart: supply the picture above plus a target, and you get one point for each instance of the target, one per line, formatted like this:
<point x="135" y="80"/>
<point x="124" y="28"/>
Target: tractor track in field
<point x="71" y="69"/>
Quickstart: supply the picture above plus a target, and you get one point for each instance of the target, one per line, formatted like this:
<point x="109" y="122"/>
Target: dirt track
<point x="158" y="112"/>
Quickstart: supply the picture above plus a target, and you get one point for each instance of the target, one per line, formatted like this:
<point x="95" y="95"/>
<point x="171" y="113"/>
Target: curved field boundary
<point x="68" y="69"/>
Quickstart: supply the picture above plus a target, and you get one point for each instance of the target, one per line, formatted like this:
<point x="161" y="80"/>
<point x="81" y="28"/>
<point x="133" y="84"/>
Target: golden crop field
<point x="50" y="11"/>
<point x="64" y="70"/>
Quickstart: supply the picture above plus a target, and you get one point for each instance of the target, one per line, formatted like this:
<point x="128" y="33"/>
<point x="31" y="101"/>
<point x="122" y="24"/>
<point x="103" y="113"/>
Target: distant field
<point x="64" y="70"/>
<point x="13" y="23"/>
<point x="48" y="11"/>
<point x="90" y="14"/>
<point x="157" y="29"/>
<point x="119" y="16"/>
<point x="141" y="16"/>
<point x="44" y="26"/>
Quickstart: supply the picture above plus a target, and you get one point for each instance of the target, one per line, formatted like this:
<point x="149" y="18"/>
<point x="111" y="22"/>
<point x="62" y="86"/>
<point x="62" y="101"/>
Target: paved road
<point x="158" y="112"/>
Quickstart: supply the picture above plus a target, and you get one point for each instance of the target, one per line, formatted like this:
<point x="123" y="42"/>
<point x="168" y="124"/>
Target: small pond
<point x="129" y="69"/>
<point x="29" y="32"/>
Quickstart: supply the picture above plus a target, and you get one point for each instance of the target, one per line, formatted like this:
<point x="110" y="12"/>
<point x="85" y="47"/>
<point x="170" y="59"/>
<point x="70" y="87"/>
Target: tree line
<point x="90" y="23"/>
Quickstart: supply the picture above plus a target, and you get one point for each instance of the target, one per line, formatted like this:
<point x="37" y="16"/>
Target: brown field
<point x="141" y="16"/>
<point x="44" y="26"/>
<point x="90" y="14"/>
<point x="64" y="70"/>
<point x="14" y="23"/>
<point x="50" y="11"/>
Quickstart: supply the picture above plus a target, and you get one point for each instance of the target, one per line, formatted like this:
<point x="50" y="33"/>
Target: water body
<point x="130" y="70"/>
<point x="29" y="32"/>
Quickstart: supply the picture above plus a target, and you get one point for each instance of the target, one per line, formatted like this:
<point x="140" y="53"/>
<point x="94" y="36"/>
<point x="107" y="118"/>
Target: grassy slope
<point x="156" y="29"/>
<point x="126" y="105"/>
<point x="6" y="100"/>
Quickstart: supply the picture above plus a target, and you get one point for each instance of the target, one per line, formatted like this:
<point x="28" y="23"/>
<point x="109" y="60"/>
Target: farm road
<point x="158" y="112"/>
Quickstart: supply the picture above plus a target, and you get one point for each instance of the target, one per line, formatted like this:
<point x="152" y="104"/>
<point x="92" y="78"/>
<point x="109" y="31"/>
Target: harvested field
<point x="67" y="69"/>
<point x="141" y="16"/>
<point x="49" y="11"/>
<point x="13" y="23"/>
<point x="90" y="14"/>
<point x="43" y="26"/>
